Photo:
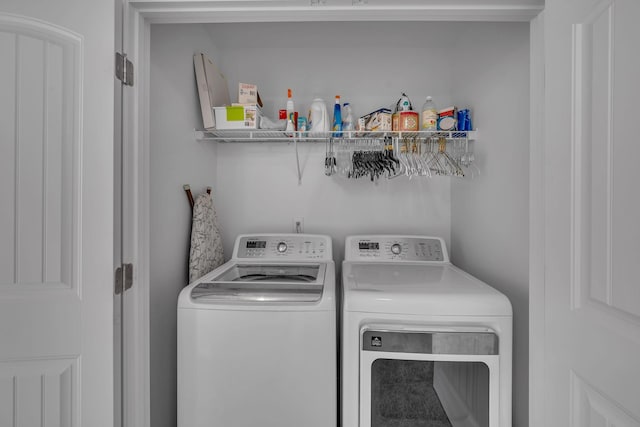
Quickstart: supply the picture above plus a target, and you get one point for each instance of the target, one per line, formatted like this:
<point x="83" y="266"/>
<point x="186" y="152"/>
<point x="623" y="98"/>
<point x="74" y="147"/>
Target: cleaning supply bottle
<point x="429" y="115"/>
<point x="337" y="118"/>
<point x="291" y="124"/>
<point x="347" y="117"/>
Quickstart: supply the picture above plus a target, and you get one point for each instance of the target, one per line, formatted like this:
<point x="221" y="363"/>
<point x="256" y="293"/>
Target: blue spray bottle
<point x="337" y="118"/>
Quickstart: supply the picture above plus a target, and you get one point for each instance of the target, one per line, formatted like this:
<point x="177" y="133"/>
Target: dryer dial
<point x="396" y="248"/>
<point x="282" y="247"/>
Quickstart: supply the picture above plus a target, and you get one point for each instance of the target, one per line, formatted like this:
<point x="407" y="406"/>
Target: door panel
<point x="38" y="145"/>
<point x="606" y="248"/>
<point x="36" y="393"/>
<point x="56" y="221"/>
<point x="592" y="301"/>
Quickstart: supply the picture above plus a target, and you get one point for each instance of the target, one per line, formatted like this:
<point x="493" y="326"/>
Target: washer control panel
<point x="283" y="246"/>
<point x="395" y="248"/>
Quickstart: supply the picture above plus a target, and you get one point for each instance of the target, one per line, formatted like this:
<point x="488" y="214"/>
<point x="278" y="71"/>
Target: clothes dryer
<point x="257" y="337"/>
<point x="423" y="342"/>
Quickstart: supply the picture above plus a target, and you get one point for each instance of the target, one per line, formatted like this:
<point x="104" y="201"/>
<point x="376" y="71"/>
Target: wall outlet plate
<point x="298" y="224"/>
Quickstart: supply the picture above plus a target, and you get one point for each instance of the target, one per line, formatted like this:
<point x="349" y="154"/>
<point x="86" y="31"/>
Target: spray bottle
<point x="337" y="118"/>
<point x="291" y="124"/>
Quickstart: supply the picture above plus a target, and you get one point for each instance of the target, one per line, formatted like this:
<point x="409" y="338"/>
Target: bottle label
<point x="293" y="119"/>
<point x="337" y="129"/>
<point x="429" y="119"/>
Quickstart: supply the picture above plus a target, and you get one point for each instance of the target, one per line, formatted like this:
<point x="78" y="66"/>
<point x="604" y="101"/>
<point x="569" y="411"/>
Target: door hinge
<point x="124" y="69"/>
<point x="123" y="278"/>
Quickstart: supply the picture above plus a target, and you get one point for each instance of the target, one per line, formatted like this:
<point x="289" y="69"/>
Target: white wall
<point x="490" y="214"/>
<point x="369" y="65"/>
<point x="176" y="159"/>
<point x="256" y="187"/>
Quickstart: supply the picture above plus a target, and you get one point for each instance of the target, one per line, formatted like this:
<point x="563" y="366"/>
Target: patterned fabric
<point x="206" y="243"/>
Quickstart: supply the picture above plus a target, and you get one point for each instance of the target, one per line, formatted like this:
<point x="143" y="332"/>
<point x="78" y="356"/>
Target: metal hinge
<point x="124" y="69"/>
<point x="124" y="278"/>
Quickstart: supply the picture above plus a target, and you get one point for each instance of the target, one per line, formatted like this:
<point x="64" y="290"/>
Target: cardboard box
<point x="247" y="93"/>
<point x="212" y="88"/>
<point x="447" y="119"/>
<point x="238" y="117"/>
<point x="376" y="121"/>
<point x="405" y="121"/>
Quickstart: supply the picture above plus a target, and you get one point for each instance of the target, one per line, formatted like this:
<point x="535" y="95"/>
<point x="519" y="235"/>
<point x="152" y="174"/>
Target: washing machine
<point x="257" y="337"/>
<point x="423" y="342"/>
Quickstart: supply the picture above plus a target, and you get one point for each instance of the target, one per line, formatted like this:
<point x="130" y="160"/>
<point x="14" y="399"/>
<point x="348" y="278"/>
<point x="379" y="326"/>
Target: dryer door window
<point x="407" y="381"/>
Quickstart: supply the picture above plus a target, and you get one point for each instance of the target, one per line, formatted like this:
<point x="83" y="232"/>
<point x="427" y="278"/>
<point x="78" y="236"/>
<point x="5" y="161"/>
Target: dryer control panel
<point x="383" y="248"/>
<point x="289" y="247"/>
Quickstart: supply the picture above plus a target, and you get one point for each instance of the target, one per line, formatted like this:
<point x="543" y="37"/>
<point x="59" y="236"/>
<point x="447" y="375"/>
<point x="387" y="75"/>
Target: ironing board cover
<point x="206" y="244"/>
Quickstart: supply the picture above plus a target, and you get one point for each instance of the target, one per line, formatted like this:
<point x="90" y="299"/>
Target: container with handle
<point x="318" y="118"/>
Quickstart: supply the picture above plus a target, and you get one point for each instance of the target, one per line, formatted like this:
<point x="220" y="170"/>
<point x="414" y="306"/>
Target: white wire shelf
<point x="265" y="135"/>
<point x="347" y="139"/>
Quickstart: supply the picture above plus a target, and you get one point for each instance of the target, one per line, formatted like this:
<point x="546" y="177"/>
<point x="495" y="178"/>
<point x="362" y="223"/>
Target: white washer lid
<point x="418" y="289"/>
<point x="263" y="282"/>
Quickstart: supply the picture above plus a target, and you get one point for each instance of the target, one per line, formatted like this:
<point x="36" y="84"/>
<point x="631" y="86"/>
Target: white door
<point x="592" y="206"/>
<point x="56" y="212"/>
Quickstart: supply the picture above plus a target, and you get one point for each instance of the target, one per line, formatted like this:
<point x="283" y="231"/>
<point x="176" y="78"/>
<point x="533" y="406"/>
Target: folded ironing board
<point x="206" y="244"/>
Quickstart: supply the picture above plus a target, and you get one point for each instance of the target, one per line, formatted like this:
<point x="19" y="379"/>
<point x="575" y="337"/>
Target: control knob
<point x="396" y="249"/>
<point x="282" y="247"/>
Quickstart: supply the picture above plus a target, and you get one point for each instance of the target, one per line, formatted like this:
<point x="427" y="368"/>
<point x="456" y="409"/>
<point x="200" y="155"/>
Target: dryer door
<point x="442" y="378"/>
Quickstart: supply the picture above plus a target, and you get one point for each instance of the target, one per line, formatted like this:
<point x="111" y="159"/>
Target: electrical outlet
<point x="298" y="224"/>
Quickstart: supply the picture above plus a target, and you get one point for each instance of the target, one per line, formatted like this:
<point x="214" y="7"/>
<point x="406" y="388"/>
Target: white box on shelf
<point x="237" y="117"/>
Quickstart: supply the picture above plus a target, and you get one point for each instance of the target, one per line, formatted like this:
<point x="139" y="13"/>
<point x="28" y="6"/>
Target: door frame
<point x="537" y="233"/>
<point x="138" y="17"/>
